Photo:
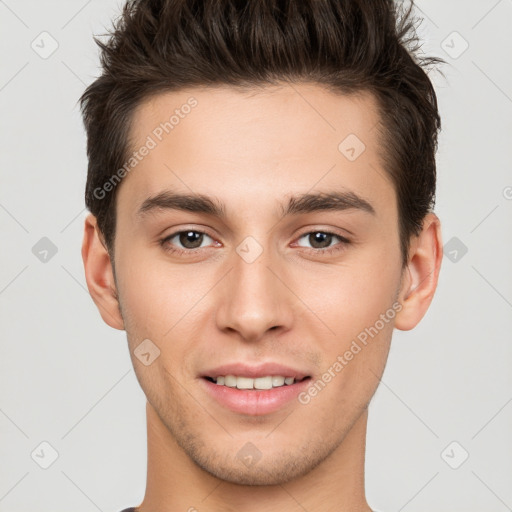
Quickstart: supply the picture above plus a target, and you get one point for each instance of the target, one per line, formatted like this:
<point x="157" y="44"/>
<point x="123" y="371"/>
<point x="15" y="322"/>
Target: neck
<point x="176" y="483"/>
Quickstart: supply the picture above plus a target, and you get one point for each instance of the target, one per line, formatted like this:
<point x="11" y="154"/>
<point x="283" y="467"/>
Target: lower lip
<point x="255" y="402"/>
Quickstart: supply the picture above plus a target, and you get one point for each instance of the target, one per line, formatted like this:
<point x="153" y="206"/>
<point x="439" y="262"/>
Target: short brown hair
<point x="345" y="45"/>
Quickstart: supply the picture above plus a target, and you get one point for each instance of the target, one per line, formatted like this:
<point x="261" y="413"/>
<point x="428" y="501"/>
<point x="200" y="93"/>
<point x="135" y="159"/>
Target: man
<point x="261" y="183"/>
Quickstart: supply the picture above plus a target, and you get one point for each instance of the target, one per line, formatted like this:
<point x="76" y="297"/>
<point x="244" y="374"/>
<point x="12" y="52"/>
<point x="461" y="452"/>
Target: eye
<point x="190" y="240"/>
<point x="184" y="241"/>
<point x="322" y="241"/>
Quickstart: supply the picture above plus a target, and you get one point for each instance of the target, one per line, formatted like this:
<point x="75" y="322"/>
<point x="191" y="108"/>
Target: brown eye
<point x="183" y="241"/>
<point x="190" y="239"/>
<point x="320" y="240"/>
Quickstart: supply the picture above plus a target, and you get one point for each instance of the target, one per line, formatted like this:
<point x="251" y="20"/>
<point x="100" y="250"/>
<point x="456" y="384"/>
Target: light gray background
<point x="66" y="377"/>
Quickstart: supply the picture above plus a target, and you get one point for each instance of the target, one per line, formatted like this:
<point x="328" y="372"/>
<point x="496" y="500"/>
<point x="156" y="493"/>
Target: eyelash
<point x="330" y="250"/>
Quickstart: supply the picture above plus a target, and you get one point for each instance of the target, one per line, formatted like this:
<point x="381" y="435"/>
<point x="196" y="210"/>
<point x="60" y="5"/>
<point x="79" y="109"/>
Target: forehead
<point x="262" y="144"/>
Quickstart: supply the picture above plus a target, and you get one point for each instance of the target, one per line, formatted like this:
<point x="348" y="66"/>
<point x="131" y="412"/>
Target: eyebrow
<point x="298" y="204"/>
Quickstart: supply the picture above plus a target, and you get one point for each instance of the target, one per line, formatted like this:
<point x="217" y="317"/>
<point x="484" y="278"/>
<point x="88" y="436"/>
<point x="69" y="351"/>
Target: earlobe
<point x="99" y="275"/>
<point x="421" y="274"/>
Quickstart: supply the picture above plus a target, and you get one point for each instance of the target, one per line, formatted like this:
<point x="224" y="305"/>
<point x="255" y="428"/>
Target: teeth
<point x="278" y="380"/>
<point x="230" y="381"/>
<point x="272" y="381"/>
<point x="263" y="383"/>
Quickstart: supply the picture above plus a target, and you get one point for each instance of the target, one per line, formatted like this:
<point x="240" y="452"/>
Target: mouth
<point x="257" y="396"/>
<point x="257" y="383"/>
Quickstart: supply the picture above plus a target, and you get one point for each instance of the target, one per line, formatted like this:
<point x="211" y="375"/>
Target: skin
<point x="293" y="304"/>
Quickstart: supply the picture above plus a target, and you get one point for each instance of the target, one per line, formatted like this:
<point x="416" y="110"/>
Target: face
<point x="261" y="275"/>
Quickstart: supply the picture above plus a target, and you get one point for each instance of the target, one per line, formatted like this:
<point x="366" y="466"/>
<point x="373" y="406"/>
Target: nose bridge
<point x="252" y="299"/>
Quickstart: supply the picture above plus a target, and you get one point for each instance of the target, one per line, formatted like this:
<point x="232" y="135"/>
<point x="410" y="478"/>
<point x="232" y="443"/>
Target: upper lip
<point x="262" y="370"/>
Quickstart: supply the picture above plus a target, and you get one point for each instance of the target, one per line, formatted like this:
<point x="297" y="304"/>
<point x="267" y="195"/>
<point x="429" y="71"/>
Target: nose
<point x="254" y="298"/>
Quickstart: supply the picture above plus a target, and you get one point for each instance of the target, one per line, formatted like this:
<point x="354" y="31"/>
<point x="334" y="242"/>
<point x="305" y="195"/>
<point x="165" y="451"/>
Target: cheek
<point x="356" y="302"/>
<point x="354" y="358"/>
<point x="351" y="297"/>
<point x="153" y="292"/>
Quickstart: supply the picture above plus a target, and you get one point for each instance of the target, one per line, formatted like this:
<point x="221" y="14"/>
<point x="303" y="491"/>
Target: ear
<point x="99" y="274"/>
<point x="419" y="278"/>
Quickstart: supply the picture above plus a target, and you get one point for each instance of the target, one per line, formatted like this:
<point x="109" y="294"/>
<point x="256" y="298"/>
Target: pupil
<point x="191" y="237"/>
<point x="321" y="238"/>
